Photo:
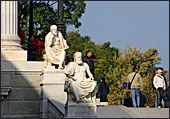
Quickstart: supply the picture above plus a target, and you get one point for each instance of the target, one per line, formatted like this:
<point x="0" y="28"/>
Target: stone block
<point x="54" y="78"/>
<point x="53" y="110"/>
<point x="18" y="81"/>
<point x="25" y="80"/>
<point x="39" y="73"/>
<point x="50" y="116"/>
<point x="60" y="106"/>
<point x="7" y="72"/>
<point x="32" y="94"/>
<point x="5" y="81"/>
<point x="53" y="91"/>
<point x="81" y="110"/>
<point x="12" y="116"/>
<point x="4" y="108"/>
<point x="33" y="80"/>
<point x="20" y="55"/>
<point x="24" y="107"/>
<point x="32" y="116"/>
<point x="29" y="66"/>
<point x="7" y="66"/>
<point x="15" y="94"/>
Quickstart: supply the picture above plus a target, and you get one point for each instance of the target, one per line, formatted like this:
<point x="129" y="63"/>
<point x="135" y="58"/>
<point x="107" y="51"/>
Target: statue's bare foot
<point x="60" y="67"/>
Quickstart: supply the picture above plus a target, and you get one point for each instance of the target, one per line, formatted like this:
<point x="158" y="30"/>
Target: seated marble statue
<point x="77" y="84"/>
<point x="55" y="46"/>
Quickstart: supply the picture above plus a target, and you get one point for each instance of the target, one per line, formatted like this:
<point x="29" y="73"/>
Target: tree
<point x="45" y="15"/>
<point x="126" y="60"/>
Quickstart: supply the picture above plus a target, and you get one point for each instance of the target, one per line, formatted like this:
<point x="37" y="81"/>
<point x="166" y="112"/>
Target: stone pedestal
<point x="53" y="90"/>
<point x="80" y="110"/>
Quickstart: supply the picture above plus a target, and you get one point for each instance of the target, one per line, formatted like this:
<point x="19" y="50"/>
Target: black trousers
<point x="159" y="93"/>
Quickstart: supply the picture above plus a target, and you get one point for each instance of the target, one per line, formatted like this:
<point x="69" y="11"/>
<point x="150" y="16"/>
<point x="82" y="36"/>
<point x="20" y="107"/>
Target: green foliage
<point x="73" y="10"/>
<point x="45" y="15"/>
<point x="126" y="60"/>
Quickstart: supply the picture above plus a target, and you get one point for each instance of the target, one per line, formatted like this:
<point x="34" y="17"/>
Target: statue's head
<point x="53" y="29"/>
<point x="78" y="58"/>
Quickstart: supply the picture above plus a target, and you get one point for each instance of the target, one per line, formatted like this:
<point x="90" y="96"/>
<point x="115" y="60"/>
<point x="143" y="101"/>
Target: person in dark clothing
<point x="87" y="59"/>
<point x="143" y="100"/>
<point x="127" y="101"/>
<point x="31" y="49"/>
<point x="103" y="90"/>
<point x="165" y="97"/>
<point x="93" y="57"/>
<point x="21" y="35"/>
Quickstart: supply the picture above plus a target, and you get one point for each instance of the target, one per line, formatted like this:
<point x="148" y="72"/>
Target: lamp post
<point x="60" y="23"/>
<point x="30" y="24"/>
<point x="31" y="19"/>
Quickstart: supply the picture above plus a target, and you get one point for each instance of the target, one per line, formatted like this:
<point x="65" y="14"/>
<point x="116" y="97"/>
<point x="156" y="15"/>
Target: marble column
<point x="10" y="42"/>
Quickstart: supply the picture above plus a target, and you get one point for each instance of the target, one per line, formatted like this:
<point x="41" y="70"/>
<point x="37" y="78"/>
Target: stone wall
<point x="24" y="98"/>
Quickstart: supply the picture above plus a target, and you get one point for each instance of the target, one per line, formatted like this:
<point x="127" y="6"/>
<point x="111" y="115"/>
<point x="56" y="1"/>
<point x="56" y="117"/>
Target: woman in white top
<point x="159" y="84"/>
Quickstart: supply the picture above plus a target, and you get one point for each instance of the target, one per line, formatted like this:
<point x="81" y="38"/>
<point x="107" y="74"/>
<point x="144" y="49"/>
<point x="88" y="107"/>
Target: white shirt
<point x="158" y="81"/>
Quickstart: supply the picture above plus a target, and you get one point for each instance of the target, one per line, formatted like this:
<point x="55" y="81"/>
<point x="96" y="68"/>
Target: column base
<point x="13" y="55"/>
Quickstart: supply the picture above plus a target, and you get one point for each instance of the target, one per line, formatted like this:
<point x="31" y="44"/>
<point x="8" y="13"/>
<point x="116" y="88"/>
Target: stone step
<point x="22" y="66"/>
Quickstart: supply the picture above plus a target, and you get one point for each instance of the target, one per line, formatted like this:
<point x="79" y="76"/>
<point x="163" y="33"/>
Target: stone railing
<point x="53" y="111"/>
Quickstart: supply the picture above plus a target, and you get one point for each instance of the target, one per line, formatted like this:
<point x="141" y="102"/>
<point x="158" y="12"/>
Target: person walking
<point x="103" y="90"/>
<point x="159" y="85"/>
<point x="136" y="85"/>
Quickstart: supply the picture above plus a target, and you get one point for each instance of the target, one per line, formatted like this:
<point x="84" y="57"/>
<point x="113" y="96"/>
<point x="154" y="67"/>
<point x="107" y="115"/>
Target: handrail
<point x="33" y="44"/>
<point x="36" y="49"/>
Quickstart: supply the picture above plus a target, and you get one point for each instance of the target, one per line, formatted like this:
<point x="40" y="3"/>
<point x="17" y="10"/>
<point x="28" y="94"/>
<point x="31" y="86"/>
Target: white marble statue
<point x="77" y="84"/>
<point x="55" y="46"/>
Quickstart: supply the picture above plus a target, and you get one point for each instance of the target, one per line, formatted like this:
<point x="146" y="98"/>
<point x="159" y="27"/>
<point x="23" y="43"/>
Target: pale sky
<point x="144" y="24"/>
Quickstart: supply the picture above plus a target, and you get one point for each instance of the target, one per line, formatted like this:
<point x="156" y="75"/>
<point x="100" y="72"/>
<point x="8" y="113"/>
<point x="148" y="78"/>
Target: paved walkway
<point x="127" y="112"/>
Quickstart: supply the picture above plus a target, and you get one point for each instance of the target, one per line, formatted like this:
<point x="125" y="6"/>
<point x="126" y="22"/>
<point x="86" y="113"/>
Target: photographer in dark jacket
<point x="89" y="61"/>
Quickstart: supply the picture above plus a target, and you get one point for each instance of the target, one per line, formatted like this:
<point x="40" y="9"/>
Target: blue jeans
<point x="156" y="102"/>
<point x="159" y="93"/>
<point x="137" y="90"/>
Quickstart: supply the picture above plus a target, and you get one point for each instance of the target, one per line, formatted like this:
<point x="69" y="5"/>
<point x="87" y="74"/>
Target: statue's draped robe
<point x="79" y="85"/>
<point x="54" y="47"/>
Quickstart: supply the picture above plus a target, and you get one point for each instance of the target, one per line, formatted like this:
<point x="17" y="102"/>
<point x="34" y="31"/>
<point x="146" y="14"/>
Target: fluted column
<point x="10" y="42"/>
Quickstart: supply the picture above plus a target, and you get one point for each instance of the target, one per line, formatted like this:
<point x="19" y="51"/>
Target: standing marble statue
<point x="77" y="84"/>
<point x="55" y="46"/>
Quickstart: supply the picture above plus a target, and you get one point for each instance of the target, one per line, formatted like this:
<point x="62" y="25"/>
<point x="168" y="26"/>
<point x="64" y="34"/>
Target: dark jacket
<point x="143" y="100"/>
<point x="103" y="90"/>
<point x="127" y="101"/>
<point x="89" y="61"/>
